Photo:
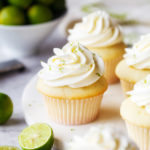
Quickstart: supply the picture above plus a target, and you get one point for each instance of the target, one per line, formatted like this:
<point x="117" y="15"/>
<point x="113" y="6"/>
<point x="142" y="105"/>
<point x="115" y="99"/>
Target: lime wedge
<point x="37" y="137"/>
<point x="8" y="148"/>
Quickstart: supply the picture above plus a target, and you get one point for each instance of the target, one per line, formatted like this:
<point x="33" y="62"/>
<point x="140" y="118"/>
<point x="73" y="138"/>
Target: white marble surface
<point x="14" y="83"/>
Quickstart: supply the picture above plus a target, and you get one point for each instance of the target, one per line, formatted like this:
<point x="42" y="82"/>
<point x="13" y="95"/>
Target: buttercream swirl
<point x="140" y="95"/>
<point x="101" y="138"/>
<point x="139" y="55"/>
<point x="96" y="30"/>
<point x="74" y="66"/>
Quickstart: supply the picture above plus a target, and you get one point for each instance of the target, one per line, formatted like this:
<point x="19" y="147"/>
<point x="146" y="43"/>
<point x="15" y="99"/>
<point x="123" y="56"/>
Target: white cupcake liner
<point x="74" y="111"/>
<point x="140" y="135"/>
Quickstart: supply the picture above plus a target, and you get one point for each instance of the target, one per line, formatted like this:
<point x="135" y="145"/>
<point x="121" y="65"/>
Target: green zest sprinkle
<point x="72" y="129"/>
<point x="71" y="43"/>
<point x="119" y="16"/>
<point x="29" y="105"/>
<point x="92" y="7"/>
<point x="50" y="68"/>
<point x="98" y="74"/>
<point x="145" y="81"/>
<point x="81" y="50"/>
<point x="81" y="65"/>
<point x="74" y="51"/>
<point x="63" y="61"/>
<point x="60" y="69"/>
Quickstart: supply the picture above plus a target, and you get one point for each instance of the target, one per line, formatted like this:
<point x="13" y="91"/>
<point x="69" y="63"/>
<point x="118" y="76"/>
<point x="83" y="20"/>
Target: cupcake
<point x="100" y="35"/>
<point x="72" y="84"/>
<point x="136" y="63"/>
<point x="135" y="110"/>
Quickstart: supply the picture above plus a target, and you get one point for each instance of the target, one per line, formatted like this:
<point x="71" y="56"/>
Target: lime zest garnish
<point x="98" y="74"/>
<point x="145" y="81"/>
<point x="81" y="50"/>
<point x="74" y="50"/>
<point x="72" y="129"/>
<point x="30" y="105"/>
<point x="93" y="6"/>
<point x="63" y="62"/>
<point x="61" y="68"/>
<point x="119" y="16"/>
<point x="71" y="43"/>
<point x="81" y="65"/>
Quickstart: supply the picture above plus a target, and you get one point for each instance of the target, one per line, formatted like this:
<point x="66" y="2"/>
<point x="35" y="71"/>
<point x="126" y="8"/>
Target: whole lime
<point x="11" y="15"/>
<point x="20" y="3"/>
<point x="39" y="14"/>
<point x="6" y="108"/>
<point x="45" y="2"/>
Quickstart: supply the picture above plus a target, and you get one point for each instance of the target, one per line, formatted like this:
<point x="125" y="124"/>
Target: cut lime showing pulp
<point x="36" y="137"/>
<point x="8" y="148"/>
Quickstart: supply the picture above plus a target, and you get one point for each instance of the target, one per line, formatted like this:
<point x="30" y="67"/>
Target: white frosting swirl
<point x="101" y="138"/>
<point x="96" y="30"/>
<point x="140" y="95"/>
<point x="73" y="66"/>
<point x="139" y="55"/>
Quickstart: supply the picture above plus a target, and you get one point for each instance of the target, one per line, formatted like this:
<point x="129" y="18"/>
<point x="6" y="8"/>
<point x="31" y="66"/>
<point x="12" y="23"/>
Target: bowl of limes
<point x="25" y="24"/>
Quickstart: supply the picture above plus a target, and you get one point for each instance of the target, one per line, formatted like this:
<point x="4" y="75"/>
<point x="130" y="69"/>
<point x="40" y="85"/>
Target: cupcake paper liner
<point x="126" y="86"/>
<point x="73" y="111"/>
<point x="110" y="66"/>
<point x="140" y="135"/>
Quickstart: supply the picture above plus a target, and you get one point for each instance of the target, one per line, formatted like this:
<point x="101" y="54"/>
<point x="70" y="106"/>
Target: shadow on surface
<point x="15" y="121"/>
<point x="108" y="113"/>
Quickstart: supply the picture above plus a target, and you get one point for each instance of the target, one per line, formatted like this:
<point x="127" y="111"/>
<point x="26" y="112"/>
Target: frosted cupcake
<point x="100" y="35"/>
<point x="136" y="63"/>
<point x="135" y="110"/>
<point x="72" y="83"/>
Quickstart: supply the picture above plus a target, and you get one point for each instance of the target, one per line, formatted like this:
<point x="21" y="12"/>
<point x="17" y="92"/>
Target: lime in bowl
<point x="25" y="24"/>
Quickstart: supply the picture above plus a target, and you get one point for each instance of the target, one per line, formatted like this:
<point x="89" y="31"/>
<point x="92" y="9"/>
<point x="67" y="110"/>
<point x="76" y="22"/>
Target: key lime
<point x="8" y="148"/>
<point x="39" y="14"/>
<point x="11" y="15"/>
<point x="45" y="2"/>
<point x="38" y="136"/>
<point x="21" y="3"/>
<point x="6" y="108"/>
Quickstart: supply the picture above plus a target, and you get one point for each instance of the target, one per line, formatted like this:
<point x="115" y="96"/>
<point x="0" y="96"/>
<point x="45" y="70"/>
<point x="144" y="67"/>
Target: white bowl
<point x="19" y="41"/>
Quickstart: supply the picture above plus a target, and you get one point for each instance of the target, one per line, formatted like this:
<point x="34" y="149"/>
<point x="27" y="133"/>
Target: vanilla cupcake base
<point x="75" y="111"/>
<point x="140" y="135"/>
<point x="126" y="86"/>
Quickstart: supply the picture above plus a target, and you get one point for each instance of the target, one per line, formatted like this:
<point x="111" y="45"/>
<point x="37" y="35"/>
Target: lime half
<point x="8" y="148"/>
<point x="36" y="137"/>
